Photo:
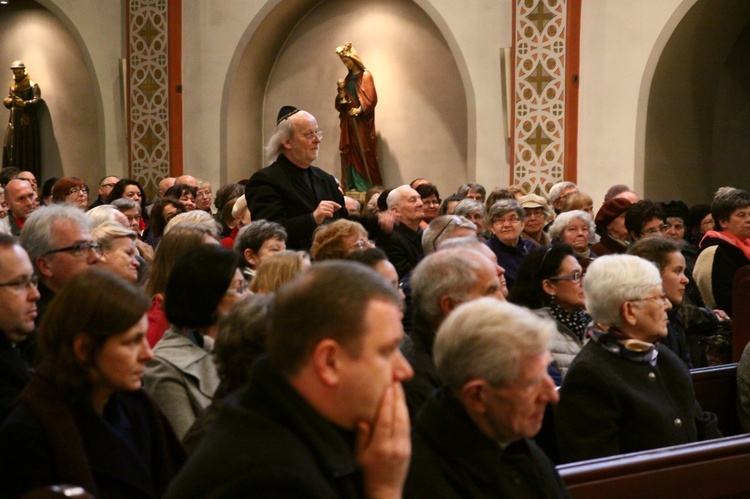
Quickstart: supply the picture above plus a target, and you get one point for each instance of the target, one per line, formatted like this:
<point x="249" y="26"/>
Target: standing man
<point x="473" y="438"/>
<point x="21" y="145"/>
<point x="105" y="187"/>
<point x="22" y="201"/>
<point x="59" y="243"/>
<point x="18" y="296"/>
<point x="291" y="191"/>
<point x="325" y="414"/>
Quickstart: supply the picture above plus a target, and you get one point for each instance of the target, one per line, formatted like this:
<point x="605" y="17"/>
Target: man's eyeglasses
<point x="76" y="190"/>
<point x="437" y="238"/>
<point x="79" y="250"/>
<point x="311" y="136"/>
<point x="23" y="285"/>
<point x="111" y="184"/>
<point x="656" y="230"/>
<point x="576" y="277"/>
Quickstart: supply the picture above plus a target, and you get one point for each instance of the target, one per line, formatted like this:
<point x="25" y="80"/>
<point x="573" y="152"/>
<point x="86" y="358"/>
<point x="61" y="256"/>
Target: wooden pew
<point x="716" y="391"/>
<point x="740" y="312"/>
<point x="717" y="468"/>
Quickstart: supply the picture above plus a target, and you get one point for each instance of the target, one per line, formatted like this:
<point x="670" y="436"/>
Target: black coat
<point x="46" y="441"/>
<point x="288" y="194"/>
<point x="269" y="442"/>
<point x="403" y="247"/>
<point x="610" y="405"/>
<point x="418" y="351"/>
<point x="452" y="458"/>
<point x="15" y="370"/>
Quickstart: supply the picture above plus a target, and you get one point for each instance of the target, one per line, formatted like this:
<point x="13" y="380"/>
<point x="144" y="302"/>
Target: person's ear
<point x="251" y="258"/>
<point x="81" y="346"/>
<point x="473" y="396"/>
<point x="447" y="304"/>
<point x="43" y="266"/>
<point x="628" y="313"/>
<point x="548" y="287"/>
<point x="327" y="361"/>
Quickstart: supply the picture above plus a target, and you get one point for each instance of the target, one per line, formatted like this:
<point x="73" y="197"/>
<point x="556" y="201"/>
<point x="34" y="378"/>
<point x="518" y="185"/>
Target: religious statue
<point x="21" y="146"/>
<point x="355" y="102"/>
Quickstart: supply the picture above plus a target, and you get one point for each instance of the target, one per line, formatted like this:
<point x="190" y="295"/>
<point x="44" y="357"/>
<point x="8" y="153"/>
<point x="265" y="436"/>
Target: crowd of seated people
<point x="146" y="324"/>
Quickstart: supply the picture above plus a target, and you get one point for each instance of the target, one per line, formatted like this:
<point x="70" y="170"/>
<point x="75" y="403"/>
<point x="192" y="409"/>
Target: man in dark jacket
<point x="472" y="439"/>
<point x="324" y="415"/>
<point x="18" y="297"/>
<point x="291" y="191"/>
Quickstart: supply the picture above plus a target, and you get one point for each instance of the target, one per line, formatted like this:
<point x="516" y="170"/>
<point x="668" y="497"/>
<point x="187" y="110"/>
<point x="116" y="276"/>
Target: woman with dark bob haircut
<point x="204" y="283"/>
<point x="83" y="419"/>
<point x="130" y="189"/>
<point x="550" y="280"/>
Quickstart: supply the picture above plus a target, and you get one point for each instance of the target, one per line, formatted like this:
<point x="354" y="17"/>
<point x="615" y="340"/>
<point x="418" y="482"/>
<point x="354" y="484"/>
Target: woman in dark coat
<point x="624" y="391"/>
<point x="84" y="419"/>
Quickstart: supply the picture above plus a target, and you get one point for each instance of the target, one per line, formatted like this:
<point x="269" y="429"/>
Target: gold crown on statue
<point x="346" y="50"/>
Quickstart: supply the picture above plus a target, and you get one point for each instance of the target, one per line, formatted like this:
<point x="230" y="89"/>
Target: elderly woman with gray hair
<point x="576" y="228"/>
<point x="473" y="210"/>
<point x="624" y="392"/>
<point x="506" y="223"/>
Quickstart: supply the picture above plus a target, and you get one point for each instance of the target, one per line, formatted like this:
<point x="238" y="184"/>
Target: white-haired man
<point x="404" y="245"/>
<point x="291" y="191"/>
<point x="472" y="439"/>
<point x="440" y="283"/>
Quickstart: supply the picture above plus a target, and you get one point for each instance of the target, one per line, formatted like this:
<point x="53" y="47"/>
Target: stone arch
<point x="684" y="106"/>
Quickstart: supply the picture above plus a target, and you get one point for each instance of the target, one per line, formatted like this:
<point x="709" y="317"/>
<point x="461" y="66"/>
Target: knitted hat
<point x="608" y="212"/>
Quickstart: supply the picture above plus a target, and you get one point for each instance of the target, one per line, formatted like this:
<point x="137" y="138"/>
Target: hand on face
<point x="384" y="448"/>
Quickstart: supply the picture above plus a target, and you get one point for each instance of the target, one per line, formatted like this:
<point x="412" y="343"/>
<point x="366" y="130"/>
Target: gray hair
<point x="103" y="213"/>
<point x="466" y="242"/>
<point x="253" y="235"/>
<point x="275" y="144"/>
<point x="464" y="189"/>
<point x="467" y="206"/>
<point x="489" y="339"/>
<point x="106" y="233"/>
<point x="726" y="200"/>
<point x="504" y="206"/>
<point x="611" y="280"/>
<point x="396" y="195"/>
<point x="441" y="228"/>
<point x="556" y="190"/>
<point x="37" y="234"/>
<point x="444" y="273"/>
<point x="563" y="219"/>
<point x="124" y="204"/>
<point x="196" y="217"/>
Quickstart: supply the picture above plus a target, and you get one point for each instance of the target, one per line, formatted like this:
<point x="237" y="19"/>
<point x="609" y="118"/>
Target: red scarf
<point x="741" y="244"/>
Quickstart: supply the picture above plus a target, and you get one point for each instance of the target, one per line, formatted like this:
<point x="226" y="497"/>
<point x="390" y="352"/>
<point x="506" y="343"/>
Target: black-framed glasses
<point x="111" y="184"/>
<point x="76" y="190"/>
<point x="80" y="249"/>
<point x="22" y="285"/>
<point x="576" y="277"/>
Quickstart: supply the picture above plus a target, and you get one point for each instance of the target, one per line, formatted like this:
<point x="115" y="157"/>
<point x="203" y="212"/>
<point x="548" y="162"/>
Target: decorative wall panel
<point x="148" y="92"/>
<point x="539" y="93"/>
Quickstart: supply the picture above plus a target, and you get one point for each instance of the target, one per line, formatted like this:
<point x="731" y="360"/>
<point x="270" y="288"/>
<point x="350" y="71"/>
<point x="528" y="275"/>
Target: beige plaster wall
<point x="621" y="43"/>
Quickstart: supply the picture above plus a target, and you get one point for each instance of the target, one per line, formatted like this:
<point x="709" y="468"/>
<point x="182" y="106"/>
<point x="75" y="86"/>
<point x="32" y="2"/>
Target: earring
<point x="552" y="298"/>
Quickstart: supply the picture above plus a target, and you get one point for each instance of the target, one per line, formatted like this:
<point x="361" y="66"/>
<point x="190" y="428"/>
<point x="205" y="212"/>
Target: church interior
<point x="650" y="94"/>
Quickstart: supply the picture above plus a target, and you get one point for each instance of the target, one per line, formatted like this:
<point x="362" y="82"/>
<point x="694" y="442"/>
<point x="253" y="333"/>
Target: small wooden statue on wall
<point x="355" y="101"/>
<point x="21" y="146"/>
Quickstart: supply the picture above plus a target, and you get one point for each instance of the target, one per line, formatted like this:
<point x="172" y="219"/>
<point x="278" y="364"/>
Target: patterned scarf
<point x="577" y="321"/>
<point x="617" y="343"/>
